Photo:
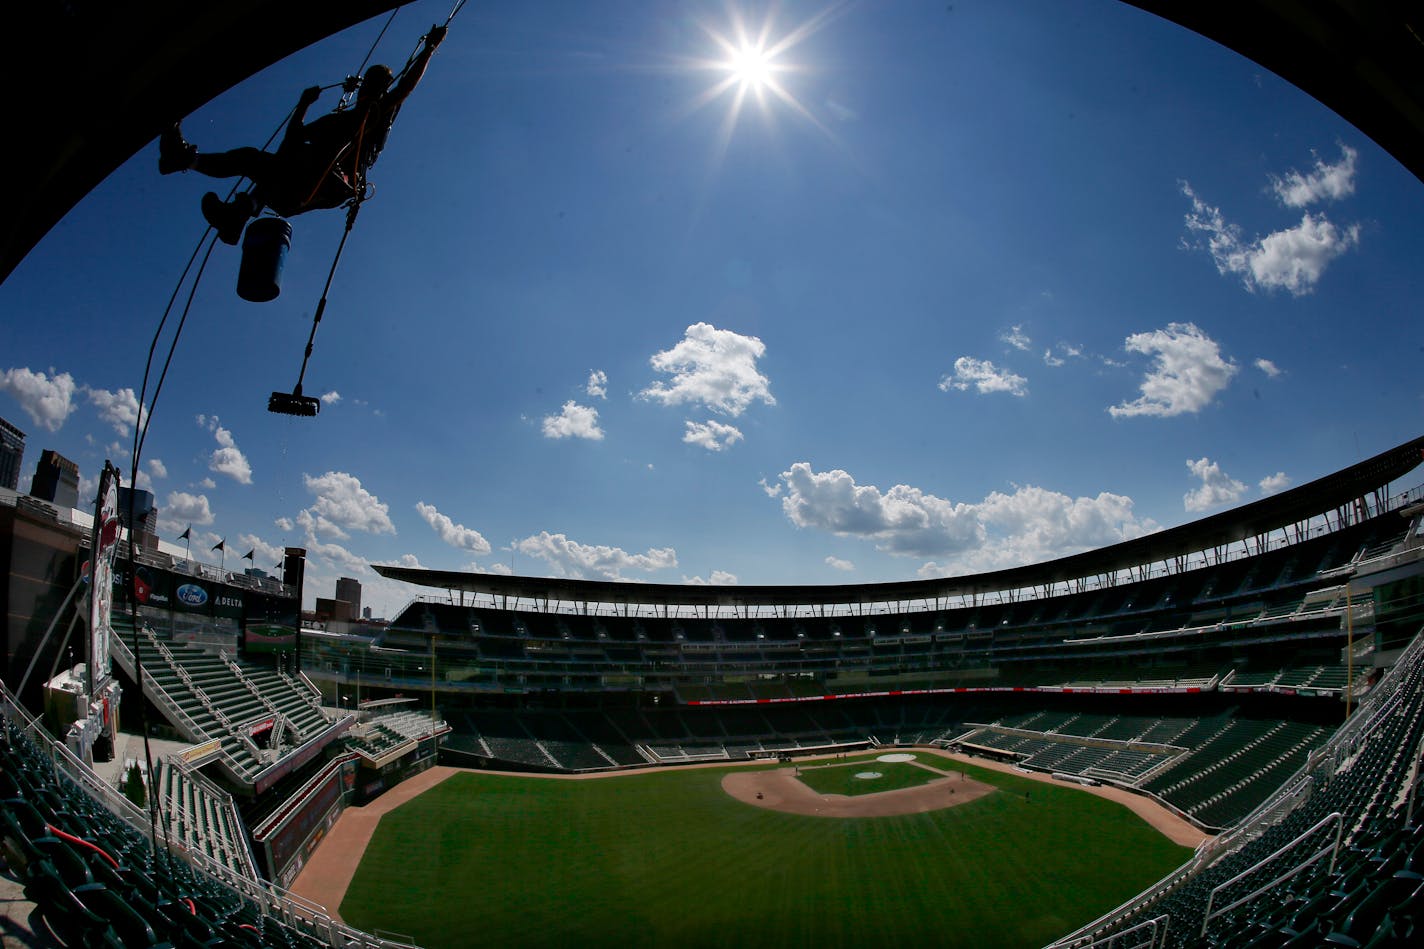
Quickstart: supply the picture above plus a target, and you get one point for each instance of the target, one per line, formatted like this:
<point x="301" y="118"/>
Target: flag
<point x="248" y="555"/>
<point x="219" y="545"/>
<point x="187" y="533"/>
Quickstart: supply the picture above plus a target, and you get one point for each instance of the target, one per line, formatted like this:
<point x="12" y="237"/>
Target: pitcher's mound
<point x="780" y="790"/>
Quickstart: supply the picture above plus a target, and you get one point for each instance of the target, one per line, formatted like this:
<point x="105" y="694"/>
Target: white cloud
<point x="207" y="484"/>
<point x="330" y="398"/>
<point x="337" y="556"/>
<point x="984" y="376"/>
<point x="712" y="367"/>
<point x="1030" y="525"/>
<point x="719" y="578"/>
<point x="157" y="468"/>
<point x="181" y="509"/>
<point x="582" y="561"/>
<point x="597" y="387"/>
<point x="227" y="459"/>
<point x="772" y="490"/>
<point x="47" y="399"/>
<point x="1268" y="367"/>
<point x="1323" y="182"/>
<point x="456" y="535"/>
<point x="1064" y="352"/>
<point x="499" y="569"/>
<point x="575" y="421"/>
<point x="88" y="490"/>
<point x="120" y="409"/>
<point x="1276" y="483"/>
<point x="1218" y="489"/>
<point x="342" y="505"/>
<point x="711" y="435"/>
<point x="836" y="563"/>
<point x="1016" y="337"/>
<point x="1186" y="375"/>
<point x="1292" y="259"/>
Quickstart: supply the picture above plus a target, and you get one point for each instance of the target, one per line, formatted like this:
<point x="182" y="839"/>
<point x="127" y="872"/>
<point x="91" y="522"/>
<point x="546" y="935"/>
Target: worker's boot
<point x="175" y="154"/>
<point x="228" y="218"/>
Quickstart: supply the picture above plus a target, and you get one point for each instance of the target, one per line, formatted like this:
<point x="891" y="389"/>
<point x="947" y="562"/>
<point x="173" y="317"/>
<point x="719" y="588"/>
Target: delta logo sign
<point x="192" y="594"/>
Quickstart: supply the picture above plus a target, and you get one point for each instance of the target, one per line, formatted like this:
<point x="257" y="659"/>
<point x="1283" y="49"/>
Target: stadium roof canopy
<point x="96" y="82"/>
<point x="1259" y="518"/>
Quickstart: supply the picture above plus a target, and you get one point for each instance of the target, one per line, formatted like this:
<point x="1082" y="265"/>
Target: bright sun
<point x="751" y="66"/>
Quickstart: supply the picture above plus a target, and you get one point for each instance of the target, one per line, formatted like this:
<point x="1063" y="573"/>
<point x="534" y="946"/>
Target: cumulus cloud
<point x="836" y="563"/>
<point x="47" y="399"/>
<point x="1016" y="337"/>
<point x="1187" y="373"/>
<point x="1218" y="489"/>
<point x="1027" y="526"/>
<point x="719" y="578"/>
<point x="120" y="409"/>
<point x="1293" y="259"/>
<point x="337" y="556"/>
<point x="575" y="421"/>
<point x="157" y="468"/>
<point x="711" y="435"/>
<point x="568" y="558"/>
<point x="1268" y="367"/>
<point x="343" y="505"/>
<point x="1323" y="182"/>
<point x="330" y="398"/>
<point x="181" y="509"/>
<point x="597" y="387"/>
<point x="712" y="367"/>
<point x="227" y="459"/>
<point x="456" y="535"/>
<point x="984" y="376"/>
<point x="1276" y="483"/>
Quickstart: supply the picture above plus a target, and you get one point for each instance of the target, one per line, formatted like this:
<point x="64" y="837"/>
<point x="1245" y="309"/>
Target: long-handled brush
<point x="294" y="403"/>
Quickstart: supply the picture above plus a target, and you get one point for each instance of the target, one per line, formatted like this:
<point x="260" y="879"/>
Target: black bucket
<point x="264" y="252"/>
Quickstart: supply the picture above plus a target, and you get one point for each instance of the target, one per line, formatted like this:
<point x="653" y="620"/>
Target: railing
<point x="271" y="900"/>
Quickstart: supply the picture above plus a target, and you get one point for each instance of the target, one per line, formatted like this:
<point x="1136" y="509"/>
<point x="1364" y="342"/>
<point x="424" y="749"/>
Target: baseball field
<point x="673" y="858"/>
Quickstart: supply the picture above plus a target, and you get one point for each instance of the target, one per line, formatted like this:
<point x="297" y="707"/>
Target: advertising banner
<point x="103" y="544"/>
<point x="192" y="596"/>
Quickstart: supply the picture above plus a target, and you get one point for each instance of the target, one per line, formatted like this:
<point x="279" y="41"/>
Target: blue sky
<point x="966" y="285"/>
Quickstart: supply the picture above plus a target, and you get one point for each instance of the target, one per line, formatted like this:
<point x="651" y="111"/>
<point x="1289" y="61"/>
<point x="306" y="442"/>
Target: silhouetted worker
<point x="319" y="164"/>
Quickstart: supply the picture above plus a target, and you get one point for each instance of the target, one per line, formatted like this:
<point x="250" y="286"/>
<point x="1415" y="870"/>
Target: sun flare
<point x="751" y="66"/>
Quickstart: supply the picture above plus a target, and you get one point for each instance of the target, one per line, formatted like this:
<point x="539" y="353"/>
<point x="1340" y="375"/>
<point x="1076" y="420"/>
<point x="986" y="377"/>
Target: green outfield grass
<point x="840" y="778"/>
<point x="668" y="859"/>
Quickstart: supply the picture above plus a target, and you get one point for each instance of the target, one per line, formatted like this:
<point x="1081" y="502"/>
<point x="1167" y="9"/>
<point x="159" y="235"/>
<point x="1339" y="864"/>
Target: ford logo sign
<point x="192" y="594"/>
